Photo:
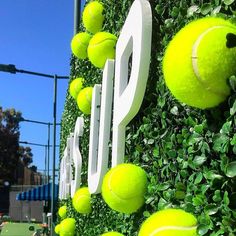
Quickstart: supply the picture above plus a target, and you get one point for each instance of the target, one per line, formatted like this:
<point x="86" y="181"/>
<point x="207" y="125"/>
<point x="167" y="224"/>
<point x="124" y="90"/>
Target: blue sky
<point x="35" y="36"/>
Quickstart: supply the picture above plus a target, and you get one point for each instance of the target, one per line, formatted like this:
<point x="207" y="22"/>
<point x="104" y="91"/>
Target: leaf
<point x="202" y="229"/>
<point x="231" y="169"/>
<point x="228" y="2"/>
<point x="198" y="178"/>
<point x="211" y="209"/>
<point x="174" y="110"/>
<point x="191" y="10"/>
<point x="199" y="160"/>
<point x="233" y="109"/>
<point x="226" y="128"/>
<point x="206" y="8"/>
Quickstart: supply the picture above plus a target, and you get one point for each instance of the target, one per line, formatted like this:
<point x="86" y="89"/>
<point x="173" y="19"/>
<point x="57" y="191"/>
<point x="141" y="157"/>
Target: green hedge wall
<point x="188" y="153"/>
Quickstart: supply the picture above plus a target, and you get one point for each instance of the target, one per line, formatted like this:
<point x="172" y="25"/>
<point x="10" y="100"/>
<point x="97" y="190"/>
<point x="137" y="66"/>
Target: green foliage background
<point x="189" y="154"/>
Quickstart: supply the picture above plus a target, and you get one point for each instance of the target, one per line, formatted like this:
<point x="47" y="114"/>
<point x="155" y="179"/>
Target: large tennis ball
<point x="79" y="45"/>
<point x="82" y="201"/>
<point x="75" y="87"/>
<point x="84" y="100"/>
<point x="67" y="227"/>
<point x="57" y="229"/>
<point x="199" y="60"/>
<point x="112" y="234"/>
<point x="62" y="211"/>
<point x="93" y="17"/>
<point x="101" y="47"/>
<point x="169" y="222"/>
<point x="123" y="188"/>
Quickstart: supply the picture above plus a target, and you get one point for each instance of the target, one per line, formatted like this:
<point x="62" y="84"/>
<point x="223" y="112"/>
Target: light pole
<point x="10" y="68"/>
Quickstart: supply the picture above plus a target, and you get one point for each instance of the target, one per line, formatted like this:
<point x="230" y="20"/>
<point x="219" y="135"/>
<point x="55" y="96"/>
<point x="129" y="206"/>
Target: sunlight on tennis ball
<point x="79" y="45"/>
<point x="197" y="70"/>
<point x="75" y="87"/>
<point x="57" y="229"/>
<point x="82" y="201"/>
<point x="62" y="211"/>
<point x="67" y="227"/>
<point x="112" y="234"/>
<point x="169" y="222"/>
<point x="101" y="47"/>
<point x="123" y="188"/>
<point x="84" y="100"/>
<point x="93" y="17"/>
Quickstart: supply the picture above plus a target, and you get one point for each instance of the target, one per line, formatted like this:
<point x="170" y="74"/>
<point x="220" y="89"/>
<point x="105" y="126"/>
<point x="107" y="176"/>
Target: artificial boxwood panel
<point x="187" y="153"/>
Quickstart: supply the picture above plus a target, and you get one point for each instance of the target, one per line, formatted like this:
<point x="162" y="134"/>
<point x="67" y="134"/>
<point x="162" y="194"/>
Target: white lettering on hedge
<point x="133" y="42"/>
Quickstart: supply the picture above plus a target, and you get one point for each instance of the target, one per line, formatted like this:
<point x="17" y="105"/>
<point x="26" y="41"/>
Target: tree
<point x="9" y="143"/>
<point x="10" y="151"/>
<point x="25" y="155"/>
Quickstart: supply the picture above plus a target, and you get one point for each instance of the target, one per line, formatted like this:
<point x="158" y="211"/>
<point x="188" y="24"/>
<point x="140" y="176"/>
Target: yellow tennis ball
<point x="82" y="201"/>
<point x="112" y="234"/>
<point x="93" y="17"/>
<point x="84" y="100"/>
<point x="123" y="188"/>
<point x="79" y="45"/>
<point x="57" y="229"/>
<point x="101" y="47"/>
<point x="75" y="87"/>
<point x="67" y="227"/>
<point x="199" y="60"/>
<point x="169" y="222"/>
<point x="62" y="211"/>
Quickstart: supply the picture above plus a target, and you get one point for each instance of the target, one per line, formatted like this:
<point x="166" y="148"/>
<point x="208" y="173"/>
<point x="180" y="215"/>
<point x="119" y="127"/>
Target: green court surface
<point x="18" y="229"/>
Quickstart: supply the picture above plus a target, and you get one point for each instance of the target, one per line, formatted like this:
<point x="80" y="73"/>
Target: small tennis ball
<point x="199" y="60"/>
<point x="82" y="201"/>
<point x="169" y="222"/>
<point x="101" y="47"/>
<point x="62" y="211"/>
<point x="57" y="229"/>
<point x="123" y="188"/>
<point x="79" y="45"/>
<point x="84" y="100"/>
<point x="75" y="87"/>
<point x="93" y="17"/>
<point x="112" y="234"/>
<point x="67" y="227"/>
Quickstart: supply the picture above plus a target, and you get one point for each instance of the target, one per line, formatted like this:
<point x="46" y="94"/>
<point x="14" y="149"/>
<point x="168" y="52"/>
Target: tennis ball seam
<point x="195" y="60"/>
<point x="116" y="195"/>
<point x="181" y="228"/>
<point x="95" y="44"/>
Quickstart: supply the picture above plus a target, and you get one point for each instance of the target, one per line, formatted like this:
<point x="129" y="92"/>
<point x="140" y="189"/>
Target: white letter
<point x="76" y="155"/>
<point x="135" y="39"/>
<point x="100" y="128"/>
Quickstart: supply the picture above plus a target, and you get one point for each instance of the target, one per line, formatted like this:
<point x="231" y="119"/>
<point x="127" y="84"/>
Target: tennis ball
<point x="101" y="47"/>
<point x="123" y="188"/>
<point x="79" y="45"/>
<point x="62" y="211"/>
<point x="112" y="234"/>
<point x="169" y="222"/>
<point x="199" y="60"/>
<point x="93" y="17"/>
<point x="82" y="201"/>
<point x="67" y="227"/>
<point x="84" y="100"/>
<point x="75" y="87"/>
<point x="57" y="229"/>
